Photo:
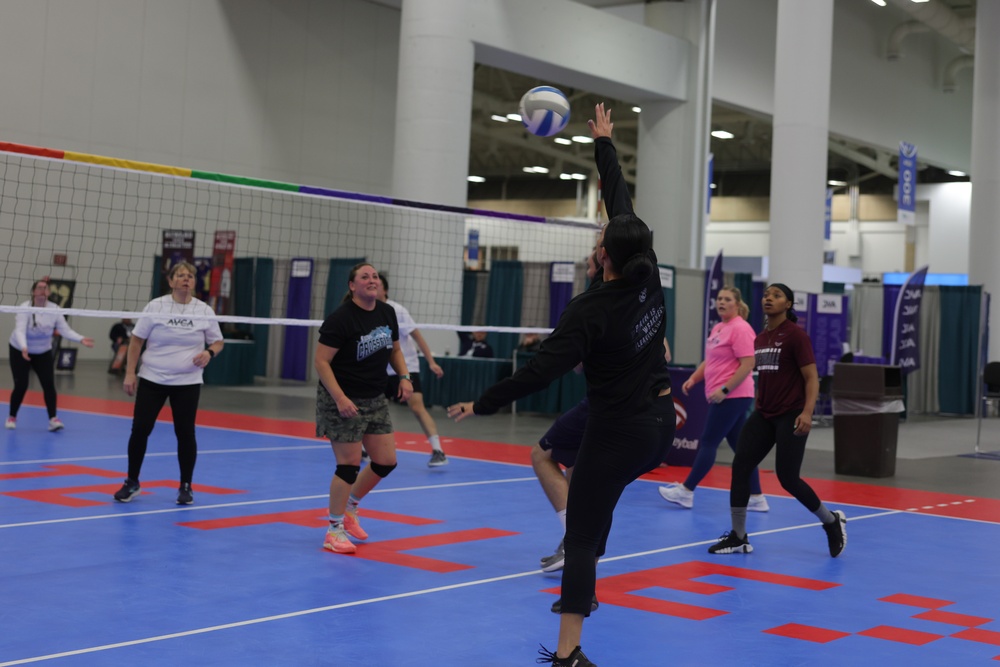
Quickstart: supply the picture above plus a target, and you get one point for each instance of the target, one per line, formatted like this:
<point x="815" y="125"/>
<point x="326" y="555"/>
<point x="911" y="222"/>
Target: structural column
<point x="433" y="103"/>
<point x="803" y="58"/>
<point x="984" y="231"/>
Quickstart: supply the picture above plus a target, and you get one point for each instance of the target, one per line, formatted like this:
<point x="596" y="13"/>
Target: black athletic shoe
<point x="184" y="496"/>
<point x="730" y="544"/>
<point x="129" y="490"/>
<point x="575" y="659"/>
<point x="557" y="605"/>
<point x="836" y="533"/>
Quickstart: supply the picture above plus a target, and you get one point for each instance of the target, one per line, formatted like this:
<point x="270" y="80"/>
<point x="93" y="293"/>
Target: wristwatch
<point x="405" y="377"/>
<point x="725" y="389"/>
<point x="211" y="352"/>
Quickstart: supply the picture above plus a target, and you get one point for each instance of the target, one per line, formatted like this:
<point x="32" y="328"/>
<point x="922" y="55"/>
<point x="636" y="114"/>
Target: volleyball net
<point x="103" y="230"/>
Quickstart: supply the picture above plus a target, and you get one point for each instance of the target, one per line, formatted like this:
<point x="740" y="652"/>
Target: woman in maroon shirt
<point x="787" y="387"/>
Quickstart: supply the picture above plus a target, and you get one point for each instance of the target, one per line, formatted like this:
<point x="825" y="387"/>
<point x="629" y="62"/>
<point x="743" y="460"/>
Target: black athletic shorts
<point x="564" y="436"/>
<point x="392" y="387"/>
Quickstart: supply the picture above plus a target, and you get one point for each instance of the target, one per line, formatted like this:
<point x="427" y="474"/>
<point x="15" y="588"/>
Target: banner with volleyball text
<point x="905" y="350"/>
<point x="713" y="283"/>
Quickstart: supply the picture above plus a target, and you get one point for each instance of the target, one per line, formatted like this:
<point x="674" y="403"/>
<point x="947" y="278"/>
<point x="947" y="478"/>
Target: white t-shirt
<point x="406" y="343"/>
<point x="34" y="330"/>
<point x="172" y="345"/>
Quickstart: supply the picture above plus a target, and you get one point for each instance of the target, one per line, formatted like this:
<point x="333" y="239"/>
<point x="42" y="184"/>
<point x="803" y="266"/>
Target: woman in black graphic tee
<point x="356" y="342"/>
<point x="616" y="330"/>
<point x="787" y="387"/>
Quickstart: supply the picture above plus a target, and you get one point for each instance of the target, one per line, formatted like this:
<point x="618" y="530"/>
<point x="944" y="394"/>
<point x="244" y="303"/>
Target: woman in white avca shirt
<point x="172" y="365"/>
<point x="31" y="349"/>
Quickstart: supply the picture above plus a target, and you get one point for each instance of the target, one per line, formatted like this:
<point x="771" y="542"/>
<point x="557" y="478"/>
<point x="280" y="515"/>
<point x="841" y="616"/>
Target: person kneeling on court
<point x="356" y="342"/>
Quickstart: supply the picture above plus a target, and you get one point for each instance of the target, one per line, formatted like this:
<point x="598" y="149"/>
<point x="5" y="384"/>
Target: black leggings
<point x="42" y="365"/>
<point x="759" y="435"/>
<point x="614" y="452"/>
<point x="149" y="400"/>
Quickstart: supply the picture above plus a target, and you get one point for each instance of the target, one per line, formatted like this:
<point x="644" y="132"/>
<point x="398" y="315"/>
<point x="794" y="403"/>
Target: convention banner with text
<point x="906" y="323"/>
<point x="906" y="209"/>
<point x="713" y="283"/>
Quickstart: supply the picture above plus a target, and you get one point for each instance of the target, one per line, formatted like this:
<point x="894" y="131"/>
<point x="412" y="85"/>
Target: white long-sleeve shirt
<point x="34" y="330"/>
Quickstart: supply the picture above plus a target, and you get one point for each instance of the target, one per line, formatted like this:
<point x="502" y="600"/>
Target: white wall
<point x="948" y="231"/>
<point x="302" y="91"/>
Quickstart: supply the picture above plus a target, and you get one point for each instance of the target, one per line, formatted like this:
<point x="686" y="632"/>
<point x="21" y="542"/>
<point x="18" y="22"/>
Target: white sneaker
<point x="758" y="503"/>
<point x="677" y="494"/>
<point x="11" y="423"/>
<point x="55" y="424"/>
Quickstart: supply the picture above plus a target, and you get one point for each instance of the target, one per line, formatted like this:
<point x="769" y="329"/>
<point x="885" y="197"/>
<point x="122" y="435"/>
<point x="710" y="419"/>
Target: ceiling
<point x="499" y="152"/>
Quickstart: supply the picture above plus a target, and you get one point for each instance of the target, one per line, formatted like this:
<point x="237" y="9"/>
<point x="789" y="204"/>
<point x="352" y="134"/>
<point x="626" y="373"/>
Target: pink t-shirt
<point x="727" y="343"/>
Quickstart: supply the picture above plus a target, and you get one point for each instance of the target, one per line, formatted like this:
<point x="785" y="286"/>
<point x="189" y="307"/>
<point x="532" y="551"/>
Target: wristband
<point x="405" y="377"/>
<point x="211" y="352"/>
<point x="725" y="389"/>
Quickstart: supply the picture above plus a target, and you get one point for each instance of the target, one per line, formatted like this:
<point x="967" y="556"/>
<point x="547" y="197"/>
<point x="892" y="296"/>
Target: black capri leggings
<point x="20" y="369"/>
<point x="759" y="435"/>
<point x="149" y="400"/>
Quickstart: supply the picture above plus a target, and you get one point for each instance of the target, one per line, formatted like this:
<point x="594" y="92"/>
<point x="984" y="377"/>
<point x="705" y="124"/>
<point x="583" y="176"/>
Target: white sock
<point x="562" y="517"/>
<point x="336" y="521"/>
<point x="435" y="441"/>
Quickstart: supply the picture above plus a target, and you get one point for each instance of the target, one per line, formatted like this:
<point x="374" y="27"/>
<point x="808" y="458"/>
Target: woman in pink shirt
<point x="729" y="389"/>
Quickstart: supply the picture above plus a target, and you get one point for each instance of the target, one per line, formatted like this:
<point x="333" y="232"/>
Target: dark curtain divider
<point x="263" y="288"/>
<point x="756" y="312"/>
<point x="469" y="281"/>
<point x="833" y="288"/>
<point x="503" y="305"/>
<point x="670" y="306"/>
<point x="294" y="357"/>
<point x="958" y="365"/>
<point x="243" y="291"/>
<point x="890" y="294"/>
<point x="336" y="282"/>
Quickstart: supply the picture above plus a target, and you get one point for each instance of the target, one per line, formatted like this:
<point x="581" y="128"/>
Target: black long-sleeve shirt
<point x="616" y="329"/>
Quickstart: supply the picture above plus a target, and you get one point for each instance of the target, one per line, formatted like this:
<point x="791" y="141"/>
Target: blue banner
<point x="560" y="289"/>
<point x="907" y="198"/>
<point x="473" y="246"/>
<point x="713" y="283"/>
<point x="692" y="411"/>
<point x="828" y="331"/>
<point x="294" y="361"/>
<point x="905" y="351"/>
<point x="828" y="215"/>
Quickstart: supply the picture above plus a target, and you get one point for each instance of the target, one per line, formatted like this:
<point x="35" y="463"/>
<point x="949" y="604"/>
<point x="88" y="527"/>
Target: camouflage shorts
<point x="372" y="418"/>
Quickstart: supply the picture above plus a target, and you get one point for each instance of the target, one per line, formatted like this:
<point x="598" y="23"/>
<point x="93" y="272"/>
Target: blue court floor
<point x="450" y="573"/>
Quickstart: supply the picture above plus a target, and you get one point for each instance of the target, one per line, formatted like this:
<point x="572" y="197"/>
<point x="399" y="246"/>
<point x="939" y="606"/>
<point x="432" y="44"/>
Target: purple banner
<point x="804" y="303"/>
<point x="691" y="412"/>
<point x="560" y="289"/>
<point x="828" y="331"/>
<point x="907" y="198"/>
<point x="294" y="361"/>
<point x="905" y="350"/>
<point x="713" y="283"/>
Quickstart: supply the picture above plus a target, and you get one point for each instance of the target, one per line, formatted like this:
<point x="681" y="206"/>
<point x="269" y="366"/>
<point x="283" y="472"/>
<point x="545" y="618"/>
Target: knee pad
<point x="382" y="470"/>
<point x="348" y="473"/>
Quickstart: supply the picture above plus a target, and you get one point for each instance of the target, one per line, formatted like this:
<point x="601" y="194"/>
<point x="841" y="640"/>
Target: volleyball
<point x="544" y="111"/>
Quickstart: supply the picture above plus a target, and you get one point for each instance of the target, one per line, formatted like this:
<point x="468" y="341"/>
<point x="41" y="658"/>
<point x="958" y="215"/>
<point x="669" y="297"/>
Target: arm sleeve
<point x="613" y="188"/>
<point x="803" y="350"/>
<point x="65" y="331"/>
<point x="21" y="330"/>
<point x="743" y="337"/>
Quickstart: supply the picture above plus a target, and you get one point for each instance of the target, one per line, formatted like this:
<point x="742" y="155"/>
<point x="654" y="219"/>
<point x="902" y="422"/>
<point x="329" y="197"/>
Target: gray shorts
<point x="372" y="418"/>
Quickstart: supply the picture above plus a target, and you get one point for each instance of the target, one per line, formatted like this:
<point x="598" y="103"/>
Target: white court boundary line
<point x="386" y="598"/>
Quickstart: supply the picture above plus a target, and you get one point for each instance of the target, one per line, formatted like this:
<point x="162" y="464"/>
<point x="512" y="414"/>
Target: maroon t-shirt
<point x="779" y="356"/>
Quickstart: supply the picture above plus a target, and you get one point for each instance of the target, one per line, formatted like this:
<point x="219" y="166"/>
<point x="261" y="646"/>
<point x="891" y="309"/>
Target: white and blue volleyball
<point x="544" y="111"/>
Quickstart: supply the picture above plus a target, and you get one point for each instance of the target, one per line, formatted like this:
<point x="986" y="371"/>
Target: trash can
<point x="867" y="400"/>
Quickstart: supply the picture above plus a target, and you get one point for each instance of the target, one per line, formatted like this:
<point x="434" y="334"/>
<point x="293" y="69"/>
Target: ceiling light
<point x="535" y="170"/>
<point x="499" y="119"/>
<point x="476" y="179"/>
<point x="722" y="134"/>
<point x="579" y="177"/>
<point x="580" y="139"/>
<point x="637" y="109"/>
<point x="713" y="186"/>
<point x="565" y="177"/>
<point x="837" y="184"/>
<point x="880" y="3"/>
<point x="563" y="140"/>
<point x="514" y="116"/>
<point x="956" y="172"/>
<point x="919" y="1"/>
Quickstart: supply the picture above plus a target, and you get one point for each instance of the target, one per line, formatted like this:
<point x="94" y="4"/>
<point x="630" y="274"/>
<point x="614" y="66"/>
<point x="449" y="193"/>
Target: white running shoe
<point x="758" y="503"/>
<point x="11" y="423"/>
<point x="677" y="494"/>
<point x="55" y="424"/>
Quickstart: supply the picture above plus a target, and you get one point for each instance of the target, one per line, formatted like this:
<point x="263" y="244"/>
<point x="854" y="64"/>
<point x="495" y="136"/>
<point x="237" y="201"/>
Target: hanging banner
<point x="804" y="302"/>
<point x="221" y="289"/>
<point x="828" y="330"/>
<point x="472" y="254"/>
<point x="828" y="216"/>
<point x="906" y="209"/>
<point x="713" y="283"/>
<point x="295" y="356"/>
<point x="905" y="350"/>
<point x="561" y="276"/>
<point x="178" y="246"/>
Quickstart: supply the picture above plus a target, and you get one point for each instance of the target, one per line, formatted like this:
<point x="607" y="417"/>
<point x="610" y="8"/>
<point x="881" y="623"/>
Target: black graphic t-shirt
<point x="779" y="356"/>
<point x="363" y="340"/>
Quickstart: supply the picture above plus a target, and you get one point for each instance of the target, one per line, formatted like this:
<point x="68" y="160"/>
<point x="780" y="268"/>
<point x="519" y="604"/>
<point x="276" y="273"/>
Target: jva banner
<point x="221" y="288"/>
<point x="713" y="283"/>
<point x="178" y="246"/>
<point x="906" y="323"/>
<point x="907" y="199"/>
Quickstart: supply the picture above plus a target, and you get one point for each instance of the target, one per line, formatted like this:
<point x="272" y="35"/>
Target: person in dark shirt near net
<point x="616" y="331"/>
